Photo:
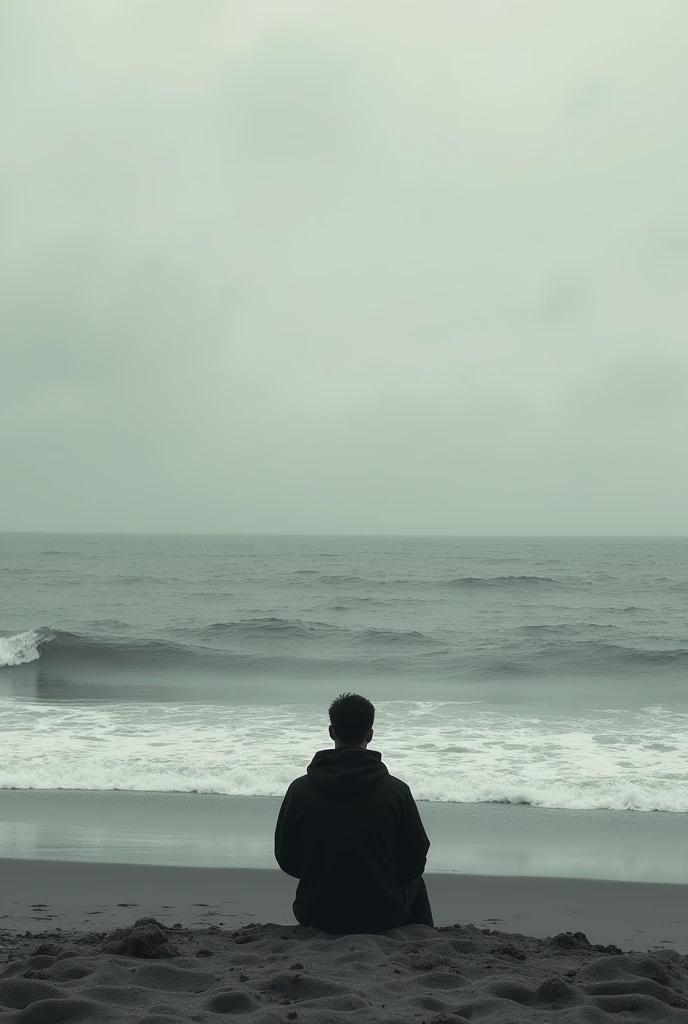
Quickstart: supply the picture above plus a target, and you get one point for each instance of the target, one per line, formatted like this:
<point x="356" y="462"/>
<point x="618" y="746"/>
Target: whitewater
<point x="450" y="752"/>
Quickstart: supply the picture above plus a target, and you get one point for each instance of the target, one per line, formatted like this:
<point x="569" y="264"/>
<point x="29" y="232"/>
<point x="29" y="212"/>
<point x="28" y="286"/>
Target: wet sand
<point x="41" y="895"/>
<point x="209" y="830"/>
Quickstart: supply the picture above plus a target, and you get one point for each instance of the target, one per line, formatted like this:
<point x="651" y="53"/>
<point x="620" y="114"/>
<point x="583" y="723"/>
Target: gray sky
<point x="387" y="266"/>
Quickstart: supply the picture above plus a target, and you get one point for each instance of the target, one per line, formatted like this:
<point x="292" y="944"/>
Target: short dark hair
<point x="352" y="718"/>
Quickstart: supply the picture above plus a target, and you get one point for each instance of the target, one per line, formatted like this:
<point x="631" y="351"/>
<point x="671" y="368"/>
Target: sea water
<point x="548" y="672"/>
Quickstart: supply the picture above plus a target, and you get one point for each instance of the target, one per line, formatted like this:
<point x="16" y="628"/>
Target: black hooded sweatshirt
<point x="351" y="833"/>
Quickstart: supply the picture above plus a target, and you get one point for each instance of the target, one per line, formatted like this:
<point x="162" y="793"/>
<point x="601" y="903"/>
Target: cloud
<point x="337" y="267"/>
<point x="589" y="100"/>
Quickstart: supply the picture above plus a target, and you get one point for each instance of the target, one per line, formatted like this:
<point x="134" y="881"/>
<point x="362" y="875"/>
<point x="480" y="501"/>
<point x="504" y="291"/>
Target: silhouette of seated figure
<point x="351" y="833"/>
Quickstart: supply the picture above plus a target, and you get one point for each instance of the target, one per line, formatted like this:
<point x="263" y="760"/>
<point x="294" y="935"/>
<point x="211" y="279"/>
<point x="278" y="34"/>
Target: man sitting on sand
<point x="351" y="833"/>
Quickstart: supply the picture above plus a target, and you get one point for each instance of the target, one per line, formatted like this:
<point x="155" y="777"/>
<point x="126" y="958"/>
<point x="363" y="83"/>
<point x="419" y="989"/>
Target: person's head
<point x="351" y="721"/>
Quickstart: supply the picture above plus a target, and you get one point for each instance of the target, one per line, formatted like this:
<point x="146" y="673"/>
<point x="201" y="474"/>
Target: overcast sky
<point x="386" y="266"/>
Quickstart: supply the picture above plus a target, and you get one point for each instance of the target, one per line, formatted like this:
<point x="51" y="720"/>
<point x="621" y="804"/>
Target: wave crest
<point x="22" y="648"/>
<point x="266" y="626"/>
<point x="500" y="581"/>
<point x="63" y="646"/>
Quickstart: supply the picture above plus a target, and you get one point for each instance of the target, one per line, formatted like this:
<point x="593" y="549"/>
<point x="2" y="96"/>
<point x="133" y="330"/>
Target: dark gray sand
<point x="41" y="895"/>
<point x="515" y="949"/>
<point x="267" y="974"/>
<point x="510" y="949"/>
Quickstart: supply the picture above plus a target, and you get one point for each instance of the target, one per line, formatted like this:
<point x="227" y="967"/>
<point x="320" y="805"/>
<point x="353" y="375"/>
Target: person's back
<point x="351" y="833"/>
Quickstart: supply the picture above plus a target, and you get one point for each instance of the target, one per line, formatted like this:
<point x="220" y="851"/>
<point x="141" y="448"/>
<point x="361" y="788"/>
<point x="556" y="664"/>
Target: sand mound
<point x="269" y="974"/>
<point x="146" y="938"/>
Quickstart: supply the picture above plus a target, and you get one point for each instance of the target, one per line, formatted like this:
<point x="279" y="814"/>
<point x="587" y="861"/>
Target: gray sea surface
<point x="549" y="672"/>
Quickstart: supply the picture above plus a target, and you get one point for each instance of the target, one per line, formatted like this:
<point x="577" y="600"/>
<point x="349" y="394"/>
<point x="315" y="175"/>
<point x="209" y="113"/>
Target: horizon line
<point x="387" y="536"/>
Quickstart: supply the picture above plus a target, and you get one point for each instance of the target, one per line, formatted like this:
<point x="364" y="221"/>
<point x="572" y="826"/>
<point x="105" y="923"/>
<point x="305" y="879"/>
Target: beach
<point x="218" y="939"/>
<point x="222" y="941"/>
<point x="99" y="860"/>
<point x="44" y="895"/>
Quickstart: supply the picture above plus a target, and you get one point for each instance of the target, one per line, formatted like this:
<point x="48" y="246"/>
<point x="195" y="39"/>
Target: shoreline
<point x="214" y="831"/>
<point x="42" y="896"/>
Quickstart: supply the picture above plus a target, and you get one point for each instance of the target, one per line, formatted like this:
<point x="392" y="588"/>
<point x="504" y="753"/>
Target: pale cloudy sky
<point x="386" y="266"/>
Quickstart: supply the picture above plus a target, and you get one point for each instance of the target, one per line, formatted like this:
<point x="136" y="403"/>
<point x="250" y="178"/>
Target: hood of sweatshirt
<point x="346" y="771"/>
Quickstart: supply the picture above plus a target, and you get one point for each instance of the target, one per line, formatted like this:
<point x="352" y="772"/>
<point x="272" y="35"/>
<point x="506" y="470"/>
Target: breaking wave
<point x="20" y="648"/>
<point x="50" y="645"/>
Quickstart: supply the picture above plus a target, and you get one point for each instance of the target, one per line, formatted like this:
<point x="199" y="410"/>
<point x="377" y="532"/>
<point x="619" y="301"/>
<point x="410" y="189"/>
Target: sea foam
<point x="20" y="648"/>
<point x="448" y="752"/>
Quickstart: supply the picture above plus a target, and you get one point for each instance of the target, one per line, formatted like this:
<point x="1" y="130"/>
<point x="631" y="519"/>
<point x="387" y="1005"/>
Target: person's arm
<point x="288" y="850"/>
<point x="414" y="843"/>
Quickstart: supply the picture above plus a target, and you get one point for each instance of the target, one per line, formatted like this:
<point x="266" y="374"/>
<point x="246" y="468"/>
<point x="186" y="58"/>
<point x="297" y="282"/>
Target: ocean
<point x="542" y="672"/>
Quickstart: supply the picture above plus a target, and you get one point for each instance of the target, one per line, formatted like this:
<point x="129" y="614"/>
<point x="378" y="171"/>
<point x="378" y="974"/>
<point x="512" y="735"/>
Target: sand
<point x="265" y="974"/>
<point x="41" y="895"/>
<point x="70" y="950"/>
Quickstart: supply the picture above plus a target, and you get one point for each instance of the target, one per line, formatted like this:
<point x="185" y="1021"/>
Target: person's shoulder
<point x="398" y="786"/>
<point x="298" y="785"/>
